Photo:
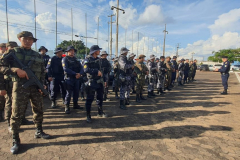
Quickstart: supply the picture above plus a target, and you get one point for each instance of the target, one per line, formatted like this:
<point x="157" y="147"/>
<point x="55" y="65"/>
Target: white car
<point x="210" y="67"/>
<point x="235" y="67"/>
<point x="217" y="66"/>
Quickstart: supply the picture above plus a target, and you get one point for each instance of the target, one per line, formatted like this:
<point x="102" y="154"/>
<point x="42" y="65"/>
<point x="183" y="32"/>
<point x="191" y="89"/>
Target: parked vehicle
<point x="217" y="66"/>
<point x="204" y="67"/>
<point x="235" y="67"/>
<point x="210" y="67"/>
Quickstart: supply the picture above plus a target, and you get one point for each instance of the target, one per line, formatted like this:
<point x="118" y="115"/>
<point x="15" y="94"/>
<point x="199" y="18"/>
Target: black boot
<point x="63" y="100"/>
<point x="168" y="89"/>
<point x="138" y="100"/>
<point x="53" y="104"/>
<point x="82" y="96"/>
<point x="89" y="118"/>
<point x="101" y="113"/>
<point x="113" y="89"/>
<point x="76" y="106"/>
<point x="224" y="92"/>
<point x="127" y="101"/>
<point x="16" y="143"/>
<point x="141" y="97"/>
<point x="1" y="116"/>
<point x="67" y="109"/>
<point x="133" y="91"/>
<point x="40" y="134"/>
<point x="116" y="95"/>
<point x="161" y="91"/>
<point x="149" y="95"/>
<point x="26" y="122"/>
<point x="153" y="94"/>
<point x="122" y="105"/>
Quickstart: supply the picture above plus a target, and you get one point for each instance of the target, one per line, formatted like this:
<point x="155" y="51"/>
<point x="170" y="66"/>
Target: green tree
<point x="78" y="45"/>
<point x="232" y="54"/>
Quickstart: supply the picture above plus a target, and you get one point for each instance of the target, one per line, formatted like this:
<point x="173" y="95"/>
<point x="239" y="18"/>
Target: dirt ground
<point x="190" y="122"/>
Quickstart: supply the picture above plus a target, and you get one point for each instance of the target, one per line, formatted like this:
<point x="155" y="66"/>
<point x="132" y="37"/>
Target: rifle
<point x="33" y="80"/>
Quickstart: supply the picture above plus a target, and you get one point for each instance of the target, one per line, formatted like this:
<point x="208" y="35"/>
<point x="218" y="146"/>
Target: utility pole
<point x="192" y="55"/>
<point x="108" y="39"/>
<point x="98" y="31"/>
<point x="7" y="22"/>
<point x="143" y="43"/>
<point x="156" y="46"/>
<point x="72" y="25"/>
<point x="132" y="40"/>
<point x="177" y="50"/>
<point x="117" y="8"/>
<point x="111" y="35"/>
<point x="86" y="32"/>
<point x="165" y="31"/>
<point x="125" y="37"/>
<point x="35" y="24"/>
<point x="138" y="44"/>
<point x="56" y="23"/>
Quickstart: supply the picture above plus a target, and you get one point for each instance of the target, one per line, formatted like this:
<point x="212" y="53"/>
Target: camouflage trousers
<point x="2" y="103"/>
<point x="180" y="77"/>
<point x="161" y="81"/>
<point x="140" y="82"/>
<point x="8" y="98"/>
<point x="125" y="88"/>
<point x="168" y="79"/>
<point x="152" y="81"/>
<point x="20" y="98"/>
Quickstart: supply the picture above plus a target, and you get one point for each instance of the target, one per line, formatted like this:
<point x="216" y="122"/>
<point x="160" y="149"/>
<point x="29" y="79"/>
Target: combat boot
<point x="141" y="97"/>
<point x="1" y="116"/>
<point x="53" y="104"/>
<point x="40" y="134"/>
<point x="224" y="92"/>
<point x="67" y="109"/>
<point x="168" y="89"/>
<point x="127" y="101"/>
<point x="161" y="91"/>
<point x="105" y="98"/>
<point x="101" y="113"/>
<point x="113" y="89"/>
<point x="116" y="95"/>
<point x="9" y="127"/>
<point x="76" y="106"/>
<point x="133" y="91"/>
<point x="26" y="122"/>
<point x="89" y="118"/>
<point x="149" y="95"/>
<point x="16" y="143"/>
<point x="153" y="94"/>
<point x="138" y="100"/>
<point x="122" y="105"/>
<point x="82" y="96"/>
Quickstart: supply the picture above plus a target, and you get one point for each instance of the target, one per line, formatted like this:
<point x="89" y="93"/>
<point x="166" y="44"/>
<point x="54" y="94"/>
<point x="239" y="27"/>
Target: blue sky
<point x="199" y="26"/>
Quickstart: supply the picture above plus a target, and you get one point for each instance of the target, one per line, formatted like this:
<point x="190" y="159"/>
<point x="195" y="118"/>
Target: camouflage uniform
<point x="2" y="99"/>
<point x="141" y="70"/>
<point x="169" y="74"/>
<point x="191" y="70"/>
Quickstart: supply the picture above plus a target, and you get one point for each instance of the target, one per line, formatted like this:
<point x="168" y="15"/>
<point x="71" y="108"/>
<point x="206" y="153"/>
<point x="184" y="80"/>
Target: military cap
<point x="26" y="34"/>
<point x="182" y="59"/>
<point x="168" y="57"/>
<point x="174" y="57"/>
<point x="187" y="59"/>
<point x="162" y="57"/>
<point x="2" y="44"/>
<point x="71" y="47"/>
<point x="12" y="44"/>
<point x="152" y="56"/>
<point x="42" y="47"/>
<point x="104" y="53"/>
<point x="132" y="55"/>
<point x="94" y="48"/>
<point x="141" y="56"/>
<point x="157" y="59"/>
<point x="124" y="50"/>
<point x="224" y="56"/>
<point x="57" y="50"/>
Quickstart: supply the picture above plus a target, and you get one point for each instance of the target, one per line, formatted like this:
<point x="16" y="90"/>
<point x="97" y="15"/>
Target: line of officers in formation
<point x="68" y="76"/>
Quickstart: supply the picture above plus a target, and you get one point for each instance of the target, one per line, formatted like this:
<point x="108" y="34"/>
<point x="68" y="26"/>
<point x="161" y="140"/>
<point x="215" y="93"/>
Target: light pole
<point x="86" y="39"/>
<point x="117" y="8"/>
<point x="192" y="55"/>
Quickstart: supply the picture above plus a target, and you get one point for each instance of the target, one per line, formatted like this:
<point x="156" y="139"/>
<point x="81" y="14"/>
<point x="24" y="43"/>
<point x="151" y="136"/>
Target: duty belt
<point x="224" y="73"/>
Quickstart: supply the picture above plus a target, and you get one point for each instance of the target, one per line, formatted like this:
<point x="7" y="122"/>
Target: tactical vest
<point x="57" y="69"/>
<point x="105" y="65"/>
<point x="26" y="56"/>
<point x="73" y="64"/>
<point x="93" y="64"/>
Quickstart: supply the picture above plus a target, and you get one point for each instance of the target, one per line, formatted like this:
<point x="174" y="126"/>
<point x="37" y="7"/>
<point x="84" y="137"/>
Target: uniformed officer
<point x="2" y="99"/>
<point x="195" y="70"/>
<point x="152" y="67"/>
<point x="190" y="71"/>
<point x="124" y="78"/>
<point x="106" y="69"/>
<point x="224" y="73"/>
<point x="92" y="67"/>
<point x="169" y="73"/>
<point x="141" y="70"/>
<point x="21" y="95"/>
<point x="175" y="66"/>
<point x="83" y="80"/>
<point x="56" y="76"/>
<point x="186" y="71"/>
<point x="133" y="76"/>
<point x="73" y="71"/>
<point x="116" y="77"/>
<point x="43" y="50"/>
<point x="181" y="68"/>
<point x="162" y="69"/>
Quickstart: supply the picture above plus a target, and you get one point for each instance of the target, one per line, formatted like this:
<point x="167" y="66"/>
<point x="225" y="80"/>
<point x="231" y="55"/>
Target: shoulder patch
<point x="85" y="66"/>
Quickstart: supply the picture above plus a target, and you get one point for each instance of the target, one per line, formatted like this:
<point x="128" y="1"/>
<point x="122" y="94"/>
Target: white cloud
<point x="46" y="20"/>
<point x="226" y="22"/>
<point x="100" y="1"/>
